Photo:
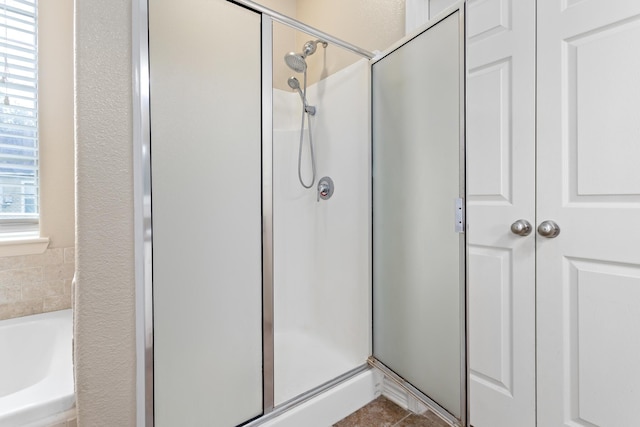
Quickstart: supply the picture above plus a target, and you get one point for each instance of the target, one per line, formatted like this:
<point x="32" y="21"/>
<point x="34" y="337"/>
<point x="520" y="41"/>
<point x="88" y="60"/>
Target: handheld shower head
<point x="293" y="83"/>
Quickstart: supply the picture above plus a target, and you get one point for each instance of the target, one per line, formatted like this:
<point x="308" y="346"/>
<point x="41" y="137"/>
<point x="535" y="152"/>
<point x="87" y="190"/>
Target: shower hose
<point x="313" y="159"/>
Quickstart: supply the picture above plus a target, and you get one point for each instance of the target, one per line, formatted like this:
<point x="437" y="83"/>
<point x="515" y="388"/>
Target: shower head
<point x="296" y="62"/>
<point x="293" y="83"/>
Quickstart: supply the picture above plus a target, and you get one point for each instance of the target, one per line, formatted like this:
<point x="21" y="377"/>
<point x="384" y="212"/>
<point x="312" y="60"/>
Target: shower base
<point x="329" y="406"/>
<point x="303" y="362"/>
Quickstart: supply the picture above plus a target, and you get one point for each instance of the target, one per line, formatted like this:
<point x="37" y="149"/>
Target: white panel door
<point x="588" y="155"/>
<point x="500" y="191"/>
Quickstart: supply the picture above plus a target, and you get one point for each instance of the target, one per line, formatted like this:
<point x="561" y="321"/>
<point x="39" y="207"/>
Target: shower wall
<point x="321" y="249"/>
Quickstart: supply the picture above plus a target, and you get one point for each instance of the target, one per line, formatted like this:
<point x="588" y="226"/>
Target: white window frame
<point x="19" y="88"/>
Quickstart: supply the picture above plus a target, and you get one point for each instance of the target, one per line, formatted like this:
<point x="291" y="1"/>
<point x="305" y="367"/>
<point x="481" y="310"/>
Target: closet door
<point x="588" y="156"/>
<point x="501" y="191"/>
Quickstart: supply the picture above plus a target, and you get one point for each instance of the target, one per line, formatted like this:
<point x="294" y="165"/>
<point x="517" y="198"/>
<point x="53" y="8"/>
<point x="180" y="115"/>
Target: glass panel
<point x="206" y="183"/>
<point x="417" y="265"/>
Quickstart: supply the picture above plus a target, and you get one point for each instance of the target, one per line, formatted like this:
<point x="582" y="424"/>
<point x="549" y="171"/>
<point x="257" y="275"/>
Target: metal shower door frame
<point x="143" y="232"/>
<point x="142" y="213"/>
<point x="459" y="7"/>
<point x="268" y="17"/>
<point x="142" y="208"/>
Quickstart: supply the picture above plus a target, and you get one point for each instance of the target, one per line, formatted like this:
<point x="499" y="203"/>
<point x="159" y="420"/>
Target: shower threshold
<point x="328" y="403"/>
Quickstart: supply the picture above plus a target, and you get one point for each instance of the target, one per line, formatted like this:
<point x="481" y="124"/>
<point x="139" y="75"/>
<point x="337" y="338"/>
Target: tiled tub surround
<point x="33" y="284"/>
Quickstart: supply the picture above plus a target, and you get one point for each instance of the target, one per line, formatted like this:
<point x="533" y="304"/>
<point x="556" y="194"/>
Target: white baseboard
<point x="398" y="395"/>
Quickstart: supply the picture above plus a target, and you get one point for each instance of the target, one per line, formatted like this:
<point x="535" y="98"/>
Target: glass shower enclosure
<point x="260" y="294"/>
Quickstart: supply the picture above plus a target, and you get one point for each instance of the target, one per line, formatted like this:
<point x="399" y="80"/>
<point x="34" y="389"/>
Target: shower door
<point x="418" y="205"/>
<point x="205" y="73"/>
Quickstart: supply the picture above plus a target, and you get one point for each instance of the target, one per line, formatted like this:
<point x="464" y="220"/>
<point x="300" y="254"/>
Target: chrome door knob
<point x="521" y="227"/>
<point x="548" y="229"/>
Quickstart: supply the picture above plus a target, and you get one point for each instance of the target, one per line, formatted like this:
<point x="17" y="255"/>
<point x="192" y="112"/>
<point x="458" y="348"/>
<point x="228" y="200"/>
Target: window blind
<point x="18" y="115"/>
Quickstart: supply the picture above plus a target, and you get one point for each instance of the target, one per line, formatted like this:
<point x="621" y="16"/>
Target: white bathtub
<point x="36" y="375"/>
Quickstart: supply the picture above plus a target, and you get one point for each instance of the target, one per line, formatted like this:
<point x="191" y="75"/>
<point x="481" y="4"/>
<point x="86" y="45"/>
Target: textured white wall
<point x="104" y="317"/>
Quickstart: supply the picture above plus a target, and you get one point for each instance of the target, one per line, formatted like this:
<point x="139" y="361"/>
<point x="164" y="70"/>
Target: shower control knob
<point x="325" y="188"/>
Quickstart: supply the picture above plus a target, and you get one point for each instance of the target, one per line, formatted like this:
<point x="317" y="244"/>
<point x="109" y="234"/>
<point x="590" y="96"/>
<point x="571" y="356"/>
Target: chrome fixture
<point x="300" y="26"/>
<point x="325" y="188"/>
<point x="297" y="62"/>
<point x="521" y="227"/>
<point x="459" y="216"/>
<point x="548" y="229"/>
<point x="295" y="84"/>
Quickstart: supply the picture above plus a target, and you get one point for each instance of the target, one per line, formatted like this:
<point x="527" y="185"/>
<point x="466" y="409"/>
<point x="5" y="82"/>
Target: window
<point x="19" y="208"/>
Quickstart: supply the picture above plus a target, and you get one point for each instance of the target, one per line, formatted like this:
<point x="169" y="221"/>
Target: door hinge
<point x="459" y="215"/>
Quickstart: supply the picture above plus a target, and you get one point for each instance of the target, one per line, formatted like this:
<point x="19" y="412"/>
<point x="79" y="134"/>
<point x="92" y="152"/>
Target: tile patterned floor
<point x="384" y="413"/>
